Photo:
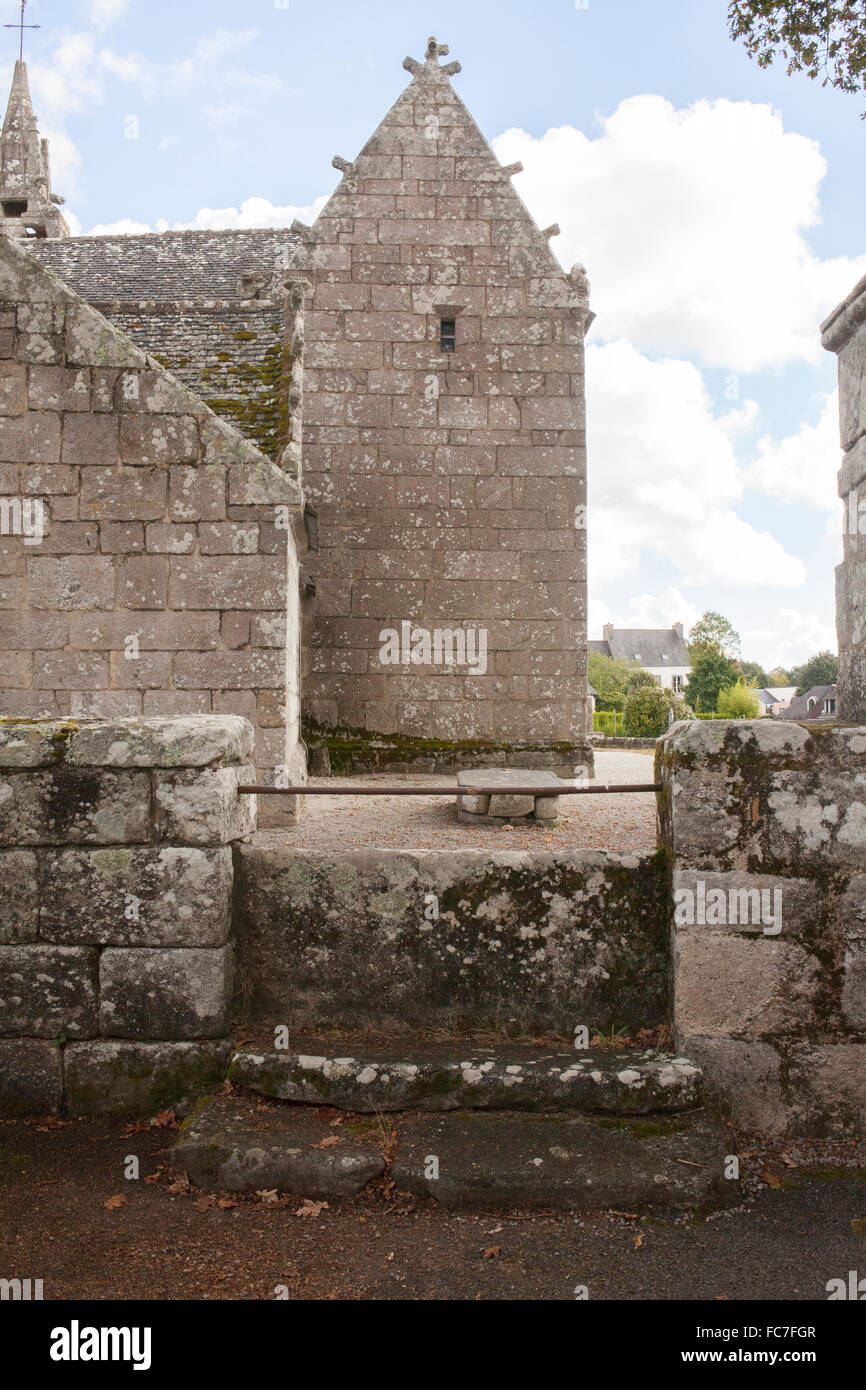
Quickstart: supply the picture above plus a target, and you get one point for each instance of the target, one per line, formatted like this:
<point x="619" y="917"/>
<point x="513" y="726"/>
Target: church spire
<point x="27" y="206"/>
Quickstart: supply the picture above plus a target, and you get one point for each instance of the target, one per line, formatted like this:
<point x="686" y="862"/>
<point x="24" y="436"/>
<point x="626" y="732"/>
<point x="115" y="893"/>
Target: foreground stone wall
<point x="116" y="965"/>
<point x="508" y="941"/>
<point x="163" y="577"/>
<point x="770" y="993"/>
<point x="844" y="333"/>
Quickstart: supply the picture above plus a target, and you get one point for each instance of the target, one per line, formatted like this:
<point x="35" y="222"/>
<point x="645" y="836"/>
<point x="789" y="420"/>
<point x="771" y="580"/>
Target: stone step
<point x="232" y="1144"/>
<point x="425" y="1077"/>
<point x="235" y="1144"/>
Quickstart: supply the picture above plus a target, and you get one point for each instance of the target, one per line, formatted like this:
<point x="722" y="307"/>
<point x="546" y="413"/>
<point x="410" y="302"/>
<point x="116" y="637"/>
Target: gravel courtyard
<point x="626" y="822"/>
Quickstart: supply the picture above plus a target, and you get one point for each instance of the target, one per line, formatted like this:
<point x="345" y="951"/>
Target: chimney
<point x="607" y="632"/>
<point x="678" y="629"/>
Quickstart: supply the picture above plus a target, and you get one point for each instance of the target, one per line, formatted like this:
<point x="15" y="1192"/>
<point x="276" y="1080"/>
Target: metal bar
<point x="604" y="790"/>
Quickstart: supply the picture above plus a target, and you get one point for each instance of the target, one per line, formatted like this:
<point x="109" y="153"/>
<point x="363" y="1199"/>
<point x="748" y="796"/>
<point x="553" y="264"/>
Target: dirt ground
<point x="69" y="1217"/>
<point x="625" y="822"/>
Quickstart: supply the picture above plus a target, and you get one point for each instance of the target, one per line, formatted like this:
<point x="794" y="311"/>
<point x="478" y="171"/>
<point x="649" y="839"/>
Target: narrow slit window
<point x="448" y="335"/>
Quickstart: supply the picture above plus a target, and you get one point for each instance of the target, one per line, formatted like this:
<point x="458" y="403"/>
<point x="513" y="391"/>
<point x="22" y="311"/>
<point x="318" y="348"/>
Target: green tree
<point x="638" y="679"/>
<point x="822" y="669"/>
<point x="738" y="701"/>
<point x="713" y="633"/>
<point x="754" y="675"/>
<point x="822" y="38"/>
<point x="646" y="712"/>
<point x="610" y="679"/>
<point x="779" y="677"/>
<point x="711" y="674"/>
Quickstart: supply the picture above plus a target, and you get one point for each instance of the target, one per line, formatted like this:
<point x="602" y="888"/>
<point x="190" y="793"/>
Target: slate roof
<point x="648" y="646"/>
<point x="799" y="707"/>
<point x="167" y="265"/>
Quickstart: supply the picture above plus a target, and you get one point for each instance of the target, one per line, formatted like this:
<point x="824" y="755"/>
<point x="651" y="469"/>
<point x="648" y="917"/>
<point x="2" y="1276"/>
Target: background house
<point x="775" y="701"/>
<point x="817" y="703"/>
<point x="661" y="651"/>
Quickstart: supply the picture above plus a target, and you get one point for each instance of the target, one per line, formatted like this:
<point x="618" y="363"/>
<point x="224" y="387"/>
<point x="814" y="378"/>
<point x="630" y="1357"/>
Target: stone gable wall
<point x="166" y="581"/>
<point x="449" y="489"/>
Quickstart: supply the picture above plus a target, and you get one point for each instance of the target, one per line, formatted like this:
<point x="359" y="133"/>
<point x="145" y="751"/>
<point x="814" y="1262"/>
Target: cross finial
<point x="435" y="51"/>
<point x="22" y="26"/>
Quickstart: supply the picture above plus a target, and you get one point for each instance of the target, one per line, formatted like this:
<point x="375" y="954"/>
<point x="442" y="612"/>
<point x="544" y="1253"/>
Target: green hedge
<point x="607" y="721"/>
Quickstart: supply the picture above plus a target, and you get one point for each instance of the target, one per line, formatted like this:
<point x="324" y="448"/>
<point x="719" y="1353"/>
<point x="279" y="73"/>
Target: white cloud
<point x="101" y="14"/>
<point x="169" y="141"/>
<point x="791" y="637"/>
<point x="75" y="77"/>
<point x="802" y="467"/>
<point x="665" y="481"/>
<point x="692" y="226"/>
<point x="253" y="212"/>
<point x="66" y="162"/>
<point x="125" y="227"/>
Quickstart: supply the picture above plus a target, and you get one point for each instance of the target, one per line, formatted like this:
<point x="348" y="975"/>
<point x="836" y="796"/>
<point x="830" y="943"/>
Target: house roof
<point x="810" y="705"/>
<point x="776" y="694"/>
<point x="648" y="646"/>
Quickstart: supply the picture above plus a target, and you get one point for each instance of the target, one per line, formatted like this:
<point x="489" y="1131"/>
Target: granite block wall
<point x="765" y="826"/>
<point x="116" y="962"/>
<point x="148" y="556"/>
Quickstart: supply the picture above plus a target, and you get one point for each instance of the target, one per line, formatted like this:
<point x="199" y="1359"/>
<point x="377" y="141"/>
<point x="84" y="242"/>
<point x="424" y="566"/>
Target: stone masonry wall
<point x="166" y="581"/>
<point x="450" y="488"/>
<point x="395" y="940"/>
<point x="770" y="993"/>
<point x="116" y="964"/>
<point x="844" y="332"/>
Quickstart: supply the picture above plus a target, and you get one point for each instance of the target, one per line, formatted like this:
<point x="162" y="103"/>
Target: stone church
<point x="331" y="478"/>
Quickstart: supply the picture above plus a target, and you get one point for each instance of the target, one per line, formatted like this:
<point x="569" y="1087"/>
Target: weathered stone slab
<point x="30" y="745"/>
<point x="232" y="1146"/>
<point x="128" y="896"/>
<point x="743" y="1082"/>
<point x="204" y="807"/>
<point x="826" y="1086"/>
<point x="203" y="741"/>
<point x="74" y="805"/>
<point x="734" y="986"/>
<point x="48" y="991"/>
<point x="543" y="942"/>
<point x="139" y="1078"/>
<point x="502" y="806"/>
<point x="564" y="1162"/>
<point x="421" y="1077"/>
<point x="171" y="994"/>
<point x="19" y="896"/>
<point x="31" y="1079"/>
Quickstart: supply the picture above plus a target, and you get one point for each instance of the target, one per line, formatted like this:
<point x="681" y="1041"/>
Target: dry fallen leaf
<point x="269" y="1196"/>
<point x="310" y="1208"/>
<point x="225" y="1203"/>
<point x="771" y="1180"/>
<point x="180" y="1184"/>
<point x="329" y="1143"/>
<point x="112" y="1203"/>
<point x="166" y="1119"/>
<point x="638" y="1242"/>
<point x="493" y="1252"/>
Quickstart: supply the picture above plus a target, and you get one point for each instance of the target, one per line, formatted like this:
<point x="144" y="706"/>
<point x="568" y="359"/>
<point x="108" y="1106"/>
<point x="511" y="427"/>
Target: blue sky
<point x="718" y="207"/>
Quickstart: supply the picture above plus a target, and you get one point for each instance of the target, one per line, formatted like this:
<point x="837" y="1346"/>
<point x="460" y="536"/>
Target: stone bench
<point x="492" y="808"/>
